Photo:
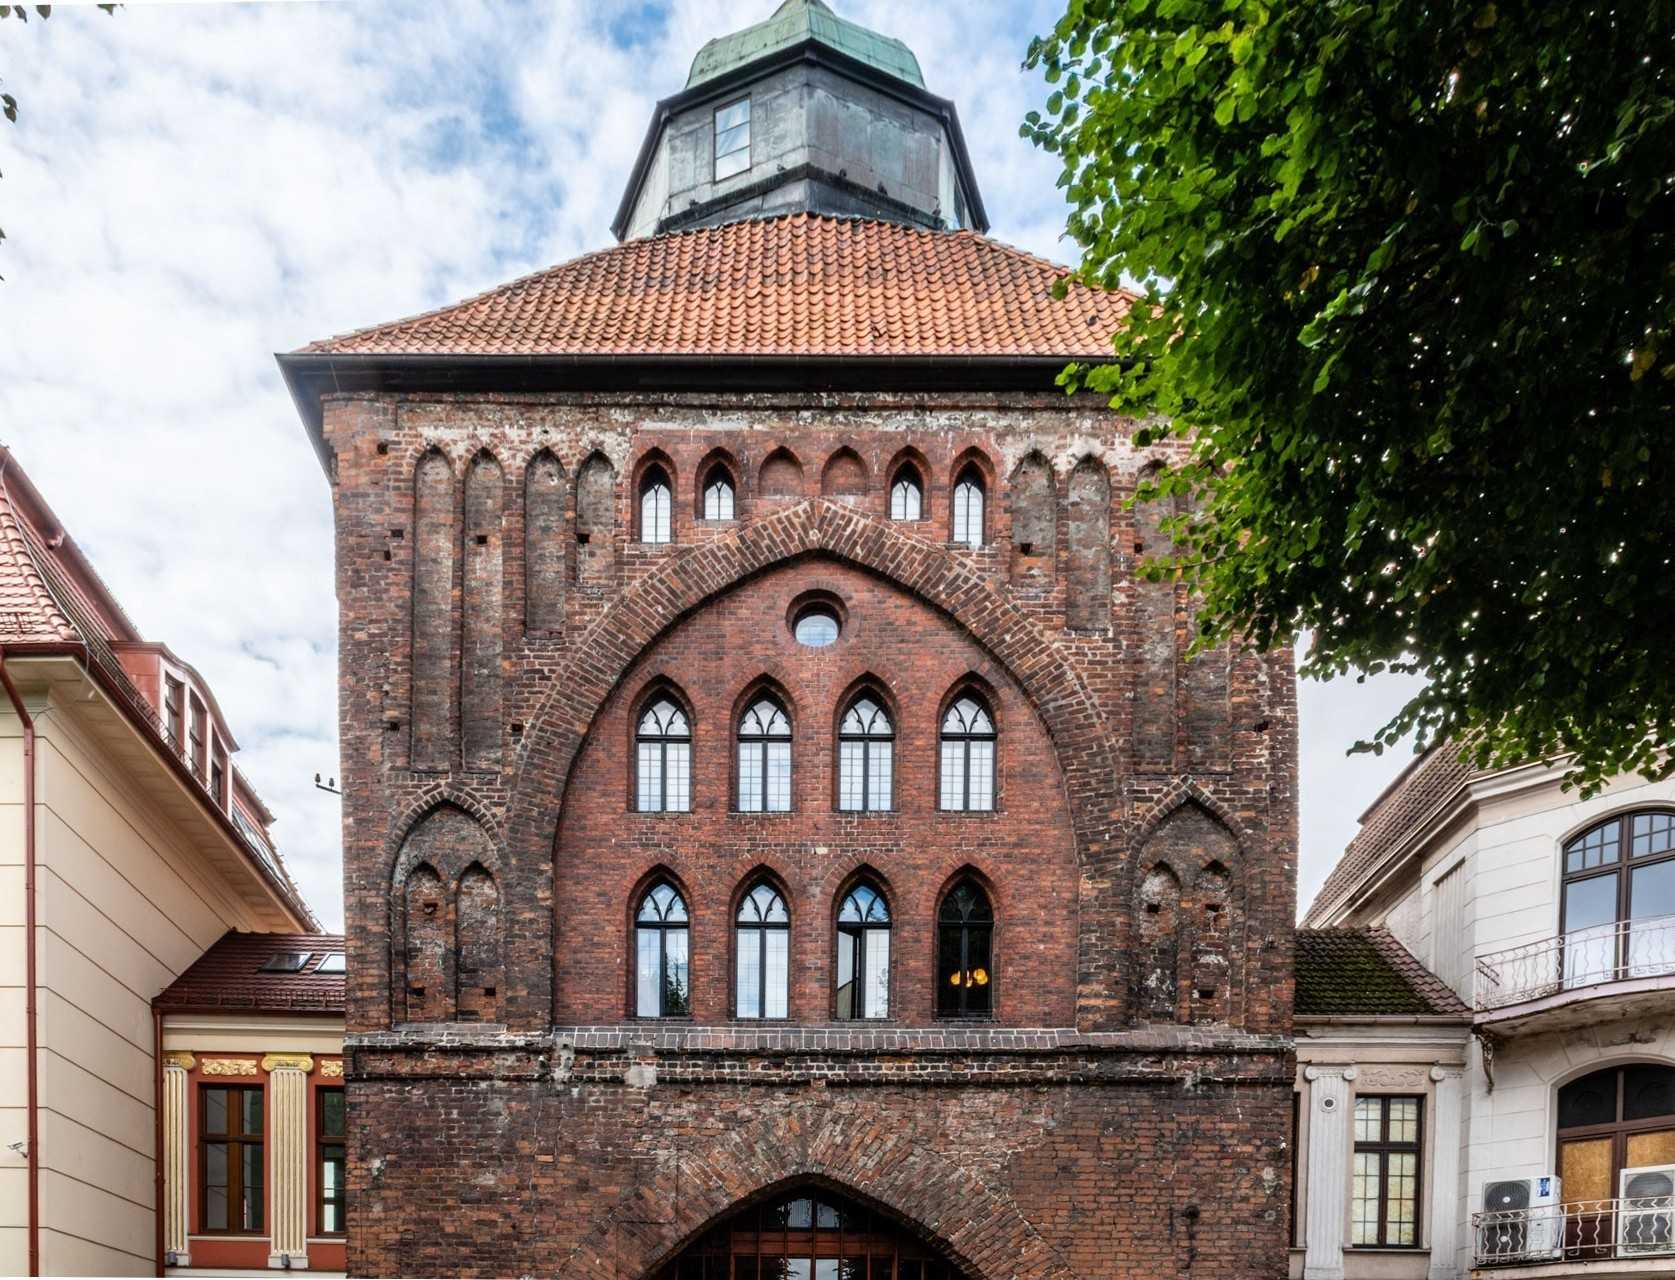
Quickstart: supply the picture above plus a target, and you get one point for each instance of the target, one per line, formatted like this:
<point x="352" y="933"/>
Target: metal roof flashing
<point x="797" y="21"/>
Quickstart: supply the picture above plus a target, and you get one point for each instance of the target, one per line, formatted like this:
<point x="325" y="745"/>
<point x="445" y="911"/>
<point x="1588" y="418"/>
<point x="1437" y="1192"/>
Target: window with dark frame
<point x="764" y="779"/>
<point x="195" y="755"/>
<point x="719" y="495"/>
<point x="1384" y="1194"/>
<point x="174" y="709"/>
<point x="762" y="955"/>
<point x="968" y="508"/>
<point x="656" y="505"/>
<point x="230" y="1164"/>
<point x="866" y="757"/>
<point x="965" y="953"/>
<point x="907" y="494"/>
<point x="218" y="775"/>
<point x="1617" y="912"/>
<point x="331" y="1136"/>
<point x="1611" y="1120"/>
<point x="662" y="946"/>
<point x="968" y="757"/>
<point x="863" y="959"/>
<point x="663" y="759"/>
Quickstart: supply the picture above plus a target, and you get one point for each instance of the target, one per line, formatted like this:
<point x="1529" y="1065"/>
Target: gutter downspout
<point x="157" y="1125"/>
<point x="33" y="1134"/>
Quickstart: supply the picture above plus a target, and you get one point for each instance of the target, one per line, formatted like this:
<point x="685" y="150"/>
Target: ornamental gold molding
<point x="288" y="1062"/>
<point x="332" y="1069"/>
<point x="229" y="1067"/>
<point x="179" y="1059"/>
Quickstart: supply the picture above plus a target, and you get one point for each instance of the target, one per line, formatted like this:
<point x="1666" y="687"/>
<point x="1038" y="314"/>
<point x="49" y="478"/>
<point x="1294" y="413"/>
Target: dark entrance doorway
<point x="808" y="1235"/>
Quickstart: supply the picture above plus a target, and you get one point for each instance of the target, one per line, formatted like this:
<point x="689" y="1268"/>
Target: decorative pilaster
<point x="1323" y="1223"/>
<point x="1444" y="1209"/>
<point x="176" y="1155"/>
<point x="288" y="1139"/>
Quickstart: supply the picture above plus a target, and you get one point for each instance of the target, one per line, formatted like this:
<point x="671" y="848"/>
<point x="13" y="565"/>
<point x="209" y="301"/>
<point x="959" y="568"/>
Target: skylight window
<point x="732" y="139"/>
<point x="333" y="963"/>
<point x="286" y="962"/>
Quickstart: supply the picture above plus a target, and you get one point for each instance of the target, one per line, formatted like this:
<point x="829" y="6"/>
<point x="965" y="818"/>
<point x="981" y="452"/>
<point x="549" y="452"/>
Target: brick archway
<point x="979" y="1230"/>
<point x="1085" y="744"/>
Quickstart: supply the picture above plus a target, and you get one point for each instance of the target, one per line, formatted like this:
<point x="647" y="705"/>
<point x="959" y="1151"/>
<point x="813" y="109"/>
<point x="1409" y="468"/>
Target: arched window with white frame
<point x="656" y="506"/>
<point x="663" y="758"/>
<point x="662" y="949"/>
<point x="968" y="756"/>
<point x="863" y="958"/>
<point x="907" y="494"/>
<point x="762" y="955"/>
<point x="719" y="496"/>
<point x="968" y="506"/>
<point x="866" y="756"/>
<point x="764" y="775"/>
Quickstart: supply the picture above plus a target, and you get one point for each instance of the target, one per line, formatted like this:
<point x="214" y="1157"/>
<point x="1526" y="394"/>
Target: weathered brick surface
<point x="1125" y="1113"/>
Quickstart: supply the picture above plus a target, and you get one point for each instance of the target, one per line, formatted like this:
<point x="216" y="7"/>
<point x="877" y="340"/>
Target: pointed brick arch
<point x="814" y="1144"/>
<point x="1090" y="762"/>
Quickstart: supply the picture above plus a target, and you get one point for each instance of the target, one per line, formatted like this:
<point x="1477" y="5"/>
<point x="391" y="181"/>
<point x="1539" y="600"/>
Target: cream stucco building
<point x="129" y="846"/>
<point x="1549" y="1150"/>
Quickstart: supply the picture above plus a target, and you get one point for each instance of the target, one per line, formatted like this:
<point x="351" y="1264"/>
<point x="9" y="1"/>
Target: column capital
<point x="178" y="1060"/>
<point x="1323" y="1071"/>
<point x="1439" y="1073"/>
<point x="288" y="1062"/>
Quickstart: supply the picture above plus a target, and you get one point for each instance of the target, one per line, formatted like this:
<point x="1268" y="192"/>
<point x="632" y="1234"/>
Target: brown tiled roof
<point x="795" y="285"/>
<point x="1367" y="973"/>
<point x="229" y="976"/>
<point x="1414" y="794"/>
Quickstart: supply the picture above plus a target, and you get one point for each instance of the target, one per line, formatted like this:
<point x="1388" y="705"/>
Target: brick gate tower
<point x="782" y="835"/>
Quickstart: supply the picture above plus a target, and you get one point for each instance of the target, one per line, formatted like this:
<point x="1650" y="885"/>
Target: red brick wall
<point x="1117" y="756"/>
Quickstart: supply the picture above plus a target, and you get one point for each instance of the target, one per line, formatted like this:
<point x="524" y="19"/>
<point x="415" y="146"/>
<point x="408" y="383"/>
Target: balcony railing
<point x="1581" y="1231"/>
<point x="1585" y="958"/>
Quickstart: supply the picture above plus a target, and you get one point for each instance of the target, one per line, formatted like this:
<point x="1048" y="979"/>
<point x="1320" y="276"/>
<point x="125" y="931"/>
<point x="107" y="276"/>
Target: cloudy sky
<point x="192" y="187"/>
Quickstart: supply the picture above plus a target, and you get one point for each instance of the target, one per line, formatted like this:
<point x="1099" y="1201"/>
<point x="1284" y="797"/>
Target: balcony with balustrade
<point x="1604" y="1239"/>
<point x="1619" y="970"/>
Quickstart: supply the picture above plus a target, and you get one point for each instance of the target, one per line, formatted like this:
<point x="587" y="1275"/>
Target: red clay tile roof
<point x="229" y="976"/>
<point x="1415" y="793"/>
<point x="795" y="285"/>
<point x="1367" y="973"/>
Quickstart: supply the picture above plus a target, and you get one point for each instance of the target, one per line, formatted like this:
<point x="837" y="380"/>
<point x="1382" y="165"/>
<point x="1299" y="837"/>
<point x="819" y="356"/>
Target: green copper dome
<point x="791" y="24"/>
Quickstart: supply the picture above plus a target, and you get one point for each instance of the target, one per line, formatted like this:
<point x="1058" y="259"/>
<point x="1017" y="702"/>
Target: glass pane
<point x="728" y="165"/>
<point x="816" y="628"/>
<point x="779" y="777"/>
<point x="676" y="988"/>
<point x="1401" y="1211"/>
<point x="799" y="1269"/>
<point x="252" y="1110"/>
<point x="650" y="798"/>
<point x="732" y="115"/>
<point x="251" y="1163"/>
<point x="979" y="993"/>
<point x="950" y="974"/>
<point x="645" y="972"/>
<point x="1593" y="849"/>
<point x="332" y="1112"/>
<point x="877" y="976"/>
<point x="1404" y="1120"/>
<point x="678" y="762"/>
<point x="215" y="1208"/>
<point x="879" y="775"/>
<point x="1652" y="891"/>
<point x="982" y="776"/>
<point x="718" y="500"/>
<point x="826" y="1269"/>
<point x="905" y="500"/>
<point x="1585" y="1170"/>
<point x="953" y="775"/>
<point x="851" y="757"/>
<point x="750" y="973"/>
<point x="750" y="776"/>
<point x="799" y="1214"/>
<point x="1590" y="1100"/>
<point x="1651" y="833"/>
<point x="1651" y="936"/>
<point x="215" y="1164"/>
<point x="849" y="948"/>
<point x="1590" y="944"/>
<point x="1648" y="1092"/>
<point x="777" y="993"/>
<point x="1364" y="1197"/>
<point x="1643" y="1149"/>
<point x="215" y="1111"/>
<point x="1369" y="1114"/>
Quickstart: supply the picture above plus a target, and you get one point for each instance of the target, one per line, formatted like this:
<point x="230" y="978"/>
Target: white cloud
<point x="193" y="187"/>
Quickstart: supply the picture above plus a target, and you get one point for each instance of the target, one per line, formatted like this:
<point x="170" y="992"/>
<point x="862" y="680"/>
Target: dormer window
<point x="732" y="139"/>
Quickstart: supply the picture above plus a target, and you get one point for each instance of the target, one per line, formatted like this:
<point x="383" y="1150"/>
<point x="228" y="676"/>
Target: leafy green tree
<point x="8" y="104"/>
<point x="1406" y="274"/>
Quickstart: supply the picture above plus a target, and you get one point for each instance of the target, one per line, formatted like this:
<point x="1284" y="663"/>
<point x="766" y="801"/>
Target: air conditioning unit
<point x="1524" y="1221"/>
<point x="1646" y="1210"/>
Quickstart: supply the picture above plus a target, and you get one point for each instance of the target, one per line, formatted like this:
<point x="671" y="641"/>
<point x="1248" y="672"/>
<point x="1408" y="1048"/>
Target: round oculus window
<point x="817" y="626"/>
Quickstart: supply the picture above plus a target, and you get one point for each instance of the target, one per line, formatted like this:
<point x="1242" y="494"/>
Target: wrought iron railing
<point x="1580" y="1231"/>
<point x="1583" y="958"/>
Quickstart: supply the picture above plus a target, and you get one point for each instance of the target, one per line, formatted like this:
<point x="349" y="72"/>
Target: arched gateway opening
<point x="808" y="1234"/>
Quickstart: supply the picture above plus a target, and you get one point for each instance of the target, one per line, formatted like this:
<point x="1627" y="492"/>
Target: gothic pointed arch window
<point x="662" y="949"/>
<point x="663" y="758"/>
<point x="764" y="738"/>
<point x="969" y="501"/>
<point x="907" y="494"/>
<point x="719" y="496"/>
<point x="863" y="959"/>
<point x="965" y="953"/>
<point x="866" y="756"/>
<point x="968" y="756"/>
<point x="656" y="506"/>
<point x="762" y="955"/>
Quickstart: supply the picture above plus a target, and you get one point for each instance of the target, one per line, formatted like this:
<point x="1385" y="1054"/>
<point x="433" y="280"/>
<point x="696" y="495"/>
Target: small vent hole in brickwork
<point x="383" y="446"/>
<point x="482" y="539"/>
